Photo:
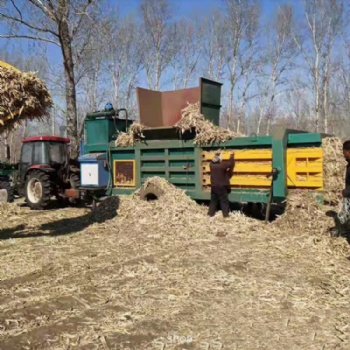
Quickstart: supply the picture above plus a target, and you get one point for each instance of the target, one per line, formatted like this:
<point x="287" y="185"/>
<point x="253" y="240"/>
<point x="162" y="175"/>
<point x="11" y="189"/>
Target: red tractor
<point x="46" y="170"/>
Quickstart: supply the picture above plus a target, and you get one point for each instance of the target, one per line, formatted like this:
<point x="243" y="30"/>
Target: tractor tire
<point x="6" y="192"/>
<point x="150" y="193"/>
<point x="37" y="190"/>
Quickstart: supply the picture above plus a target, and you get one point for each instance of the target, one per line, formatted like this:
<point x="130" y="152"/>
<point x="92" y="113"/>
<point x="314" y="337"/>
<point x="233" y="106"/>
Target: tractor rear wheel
<point x="6" y="192"/>
<point x="37" y="190"/>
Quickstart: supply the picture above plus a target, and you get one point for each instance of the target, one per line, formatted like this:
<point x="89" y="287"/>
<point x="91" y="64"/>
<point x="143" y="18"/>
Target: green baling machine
<point x="266" y="166"/>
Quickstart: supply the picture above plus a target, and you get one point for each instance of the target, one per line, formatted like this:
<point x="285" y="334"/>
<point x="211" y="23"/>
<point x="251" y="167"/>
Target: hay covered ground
<point x="162" y="275"/>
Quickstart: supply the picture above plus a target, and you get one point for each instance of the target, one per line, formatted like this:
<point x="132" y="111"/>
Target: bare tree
<point x="187" y="53"/>
<point x="242" y="23"/>
<point x="316" y="43"/>
<point x="157" y="40"/>
<point x="278" y="58"/>
<point x="58" y="22"/>
<point x="214" y="45"/>
<point x="123" y="57"/>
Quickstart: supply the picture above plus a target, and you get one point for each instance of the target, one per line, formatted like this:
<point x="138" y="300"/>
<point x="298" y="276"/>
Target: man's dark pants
<point x="219" y="195"/>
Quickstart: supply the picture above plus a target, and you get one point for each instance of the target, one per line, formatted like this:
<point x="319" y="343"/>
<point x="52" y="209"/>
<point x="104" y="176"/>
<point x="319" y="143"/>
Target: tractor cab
<point x="45" y="170"/>
<point x="49" y="153"/>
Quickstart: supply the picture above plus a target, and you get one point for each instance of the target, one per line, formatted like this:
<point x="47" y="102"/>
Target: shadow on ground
<point x="105" y="211"/>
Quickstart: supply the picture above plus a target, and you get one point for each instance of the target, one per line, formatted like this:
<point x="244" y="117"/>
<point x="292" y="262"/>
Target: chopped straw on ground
<point x="23" y="96"/>
<point x="158" y="274"/>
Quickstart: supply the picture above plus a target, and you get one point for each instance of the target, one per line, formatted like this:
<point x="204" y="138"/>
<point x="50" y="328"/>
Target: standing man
<point x="220" y="174"/>
<point x="344" y="214"/>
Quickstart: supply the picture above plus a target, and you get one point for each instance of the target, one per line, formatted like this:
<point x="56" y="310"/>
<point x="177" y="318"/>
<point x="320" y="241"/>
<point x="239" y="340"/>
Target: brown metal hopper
<point x="159" y="109"/>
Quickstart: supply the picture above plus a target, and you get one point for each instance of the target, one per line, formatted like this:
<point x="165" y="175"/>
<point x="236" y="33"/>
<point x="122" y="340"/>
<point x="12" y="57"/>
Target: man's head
<point x="346" y="149"/>
<point x="217" y="157"/>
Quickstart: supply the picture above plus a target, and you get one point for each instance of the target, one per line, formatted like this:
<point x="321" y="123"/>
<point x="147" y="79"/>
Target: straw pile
<point x="333" y="168"/>
<point x="23" y="96"/>
<point x="133" y="134"/>
<point x="304" y="215"/>
<point x="206" y="132"/>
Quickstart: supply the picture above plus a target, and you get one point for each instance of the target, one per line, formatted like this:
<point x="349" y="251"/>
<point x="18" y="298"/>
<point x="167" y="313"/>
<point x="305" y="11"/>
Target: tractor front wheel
<point x="37" y="190"/>
<point x="6" y="192"/>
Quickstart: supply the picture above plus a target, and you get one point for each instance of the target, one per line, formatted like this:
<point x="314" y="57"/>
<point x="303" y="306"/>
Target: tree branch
<point x="30" y="37"/>
<point x="82" y="15"/>
<point x="25" y="23"/>
<point x="51" y="14"/>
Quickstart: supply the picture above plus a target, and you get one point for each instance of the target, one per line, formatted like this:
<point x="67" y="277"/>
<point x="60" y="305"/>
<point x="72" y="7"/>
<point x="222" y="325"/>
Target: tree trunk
<point x="72" y="127"/>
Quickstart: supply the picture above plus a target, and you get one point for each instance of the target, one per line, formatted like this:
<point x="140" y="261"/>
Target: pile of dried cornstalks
<point x="333" y="168"/>
<point x="191" y="120"/>
<point x="206" y="132"/>
<point x="133" y="134"/>
<point x="23" y="96"/>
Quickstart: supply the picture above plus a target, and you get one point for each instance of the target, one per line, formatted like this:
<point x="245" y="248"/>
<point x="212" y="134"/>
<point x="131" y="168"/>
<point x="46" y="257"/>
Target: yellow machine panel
<point x="124" y="173"/>
<point x="304" y="168"/>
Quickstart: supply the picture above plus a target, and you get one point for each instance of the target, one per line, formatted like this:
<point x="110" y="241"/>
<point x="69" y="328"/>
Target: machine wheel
<point x="37" y="190"/>
<point x="74" y="183"/>
<point x="150" y="193"/>
<point x="6" y="192"/>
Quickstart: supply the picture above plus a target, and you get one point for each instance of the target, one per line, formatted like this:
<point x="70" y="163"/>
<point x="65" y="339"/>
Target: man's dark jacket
<point x="219" y="176"/>
<point x="346" y="191"/>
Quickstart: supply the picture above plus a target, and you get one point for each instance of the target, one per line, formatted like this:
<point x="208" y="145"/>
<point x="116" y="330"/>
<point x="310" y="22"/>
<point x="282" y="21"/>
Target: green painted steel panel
<point x="152" y="163"/>
<point x="145" y="174"/>
<point x="159" y="158"/>
<point x="185" y="187"/>
<point x="181" y="175"/>
<point x="152" y="152"/>
<point x="181" y="151"/>
<point x="123" y="155"/>
<point x="305" y="140"/>
<point x="180" y="163"/>
<point x="210" y="102"/>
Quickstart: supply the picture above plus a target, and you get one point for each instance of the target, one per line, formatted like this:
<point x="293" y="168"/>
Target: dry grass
<point x="333" y="168"/>
<point x="136" y="274"/>
<point x="206" y="132"/>
<point x="133" y="134"/>
<point x="23" y="96"/>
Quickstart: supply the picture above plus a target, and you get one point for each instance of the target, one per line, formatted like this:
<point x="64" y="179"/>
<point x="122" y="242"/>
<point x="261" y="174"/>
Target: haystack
<point x="23" y="96"/>
<point x="334" y="167"/>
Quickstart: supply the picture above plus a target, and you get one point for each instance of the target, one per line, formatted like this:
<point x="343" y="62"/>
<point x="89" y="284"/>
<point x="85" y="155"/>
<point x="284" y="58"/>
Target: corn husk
<point x="23" y="96"/>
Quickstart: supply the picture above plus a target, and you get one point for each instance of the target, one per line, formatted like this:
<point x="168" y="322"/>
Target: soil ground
<point x="68" y="281"/>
